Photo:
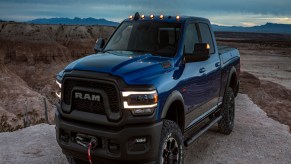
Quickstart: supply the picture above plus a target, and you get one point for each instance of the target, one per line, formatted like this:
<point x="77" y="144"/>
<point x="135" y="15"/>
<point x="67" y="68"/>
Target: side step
<point x="204" y="129"/>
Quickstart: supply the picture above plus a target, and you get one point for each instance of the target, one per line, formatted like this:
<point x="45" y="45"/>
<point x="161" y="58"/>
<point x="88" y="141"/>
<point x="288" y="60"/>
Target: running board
<point x="204" y="129"/>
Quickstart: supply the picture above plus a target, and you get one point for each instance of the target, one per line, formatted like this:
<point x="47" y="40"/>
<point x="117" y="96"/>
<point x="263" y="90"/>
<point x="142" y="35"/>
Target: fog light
<point x="146" y="111"/>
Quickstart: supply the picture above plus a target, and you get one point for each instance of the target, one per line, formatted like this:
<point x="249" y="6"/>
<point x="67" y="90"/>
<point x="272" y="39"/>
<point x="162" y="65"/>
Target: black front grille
<point x="88" y="105"/>
<point x="91" y="106"/>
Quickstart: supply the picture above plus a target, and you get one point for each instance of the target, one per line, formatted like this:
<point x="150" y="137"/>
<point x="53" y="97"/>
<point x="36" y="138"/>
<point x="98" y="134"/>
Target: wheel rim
<point x="170" y="151"/>
<point x="231" y="111"/>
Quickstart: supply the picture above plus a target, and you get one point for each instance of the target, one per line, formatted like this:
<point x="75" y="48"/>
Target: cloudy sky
<point x="222" y="12"/>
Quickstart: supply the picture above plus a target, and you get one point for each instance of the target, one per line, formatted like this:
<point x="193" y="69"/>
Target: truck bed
<point x="224" y="49"/>
<point x="227" y="54"/>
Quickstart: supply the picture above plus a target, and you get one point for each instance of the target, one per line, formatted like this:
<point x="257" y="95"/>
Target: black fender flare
<point x="174" y="96"/>
<point x="230" y="74"/>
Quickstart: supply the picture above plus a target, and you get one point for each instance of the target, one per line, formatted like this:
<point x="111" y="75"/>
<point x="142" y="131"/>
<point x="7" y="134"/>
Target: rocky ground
<point x="256" y="139"/>
<point x="266" y="76"/>
<point x="30" y="57"/>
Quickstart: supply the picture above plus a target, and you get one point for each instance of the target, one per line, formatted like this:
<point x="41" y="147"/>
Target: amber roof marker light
<point x="142" y="16"/>
<point x="161" y="16"/>
<point x="152" y="16"/>
<point x="177" y="17"/>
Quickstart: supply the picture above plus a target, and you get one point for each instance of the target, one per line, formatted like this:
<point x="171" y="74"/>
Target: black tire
<point x="171" y="145"/>
<point x="226" y="124"/>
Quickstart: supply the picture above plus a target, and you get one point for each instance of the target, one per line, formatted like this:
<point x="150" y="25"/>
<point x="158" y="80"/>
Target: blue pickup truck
<point x="154" y="87"/>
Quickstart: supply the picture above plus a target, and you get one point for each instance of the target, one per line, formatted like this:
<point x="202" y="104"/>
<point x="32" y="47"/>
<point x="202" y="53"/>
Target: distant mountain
<point x="75" y="21"/>
<point x="267" y="28"/>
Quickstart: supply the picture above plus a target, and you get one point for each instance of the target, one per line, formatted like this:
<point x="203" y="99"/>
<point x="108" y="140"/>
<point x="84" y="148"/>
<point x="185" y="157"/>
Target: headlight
<point x="140" y="102"/>
<point x="58" y="93"/>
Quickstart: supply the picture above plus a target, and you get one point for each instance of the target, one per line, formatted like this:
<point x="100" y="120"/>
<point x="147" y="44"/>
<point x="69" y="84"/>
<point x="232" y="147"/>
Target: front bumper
<point x="117" y="145"/>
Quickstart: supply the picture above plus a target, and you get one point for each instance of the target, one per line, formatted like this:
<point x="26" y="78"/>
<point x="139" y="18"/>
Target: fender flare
<point x="230" y="74"/>
<point x="174" y="96"/>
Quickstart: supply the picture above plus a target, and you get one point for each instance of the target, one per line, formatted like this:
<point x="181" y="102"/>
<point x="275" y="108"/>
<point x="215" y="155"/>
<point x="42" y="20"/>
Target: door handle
<point x="202" y="70"/>
<point x="217" y="64"/>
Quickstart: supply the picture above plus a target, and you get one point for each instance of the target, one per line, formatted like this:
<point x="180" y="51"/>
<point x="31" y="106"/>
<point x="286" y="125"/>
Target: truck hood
<point x="128" y="65"/>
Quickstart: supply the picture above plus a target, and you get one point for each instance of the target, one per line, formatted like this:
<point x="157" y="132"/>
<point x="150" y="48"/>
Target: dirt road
<point x="256" y="139"/>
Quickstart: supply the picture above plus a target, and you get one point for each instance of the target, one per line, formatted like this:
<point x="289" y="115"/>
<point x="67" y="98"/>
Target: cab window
<point x="191" y="39"/>
<point x="206" y="35"/>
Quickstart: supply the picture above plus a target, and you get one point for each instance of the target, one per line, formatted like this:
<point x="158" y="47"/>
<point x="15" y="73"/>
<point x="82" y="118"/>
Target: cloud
<point x="274" y="18"/>
<point x="283" y="20"/>
<point x="248" y="24"/>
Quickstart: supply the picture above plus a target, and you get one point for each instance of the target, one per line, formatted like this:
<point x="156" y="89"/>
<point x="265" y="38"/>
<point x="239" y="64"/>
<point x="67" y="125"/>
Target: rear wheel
<point x="226" y="124"/>
<point x="171" y="145"/>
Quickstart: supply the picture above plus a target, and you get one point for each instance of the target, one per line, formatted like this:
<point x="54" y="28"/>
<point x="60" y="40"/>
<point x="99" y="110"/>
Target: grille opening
<point x="87" y="105"/>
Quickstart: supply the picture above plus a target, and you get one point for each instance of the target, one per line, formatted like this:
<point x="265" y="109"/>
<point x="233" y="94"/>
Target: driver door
<point x="201" y="89"/>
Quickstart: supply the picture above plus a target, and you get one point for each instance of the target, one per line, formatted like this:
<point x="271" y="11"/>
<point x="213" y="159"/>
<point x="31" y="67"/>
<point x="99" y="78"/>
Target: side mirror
<point x="100" y="43"/>
<point x="201" y="53"/>
<point x="202" y="49"/>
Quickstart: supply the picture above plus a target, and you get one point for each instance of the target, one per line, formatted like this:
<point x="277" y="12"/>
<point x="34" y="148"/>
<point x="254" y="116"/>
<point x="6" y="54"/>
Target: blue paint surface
<point x="198" y="89"/>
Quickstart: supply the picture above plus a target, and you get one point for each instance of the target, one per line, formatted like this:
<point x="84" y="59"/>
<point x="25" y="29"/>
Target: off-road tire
<point x="226" y="124"/>
<point x="171" y="135"/>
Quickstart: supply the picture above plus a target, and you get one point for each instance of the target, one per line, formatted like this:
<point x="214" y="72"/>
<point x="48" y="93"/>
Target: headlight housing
<point x="140" y="102"/>
<point x="58" y="92"/>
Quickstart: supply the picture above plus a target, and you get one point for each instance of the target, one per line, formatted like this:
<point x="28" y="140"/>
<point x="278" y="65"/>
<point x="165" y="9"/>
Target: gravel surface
<point x="256" y="139"/>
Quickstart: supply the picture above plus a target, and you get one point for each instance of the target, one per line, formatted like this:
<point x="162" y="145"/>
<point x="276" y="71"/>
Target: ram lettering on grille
<point x="87" y="96"/>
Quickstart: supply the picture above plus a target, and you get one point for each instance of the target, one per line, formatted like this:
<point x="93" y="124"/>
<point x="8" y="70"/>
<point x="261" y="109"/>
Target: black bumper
<point x="115" y="145"/>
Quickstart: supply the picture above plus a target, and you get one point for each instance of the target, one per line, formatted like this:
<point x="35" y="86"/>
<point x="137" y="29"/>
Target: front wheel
<point x="225" y="125"/>
<point x="171" y="145"/>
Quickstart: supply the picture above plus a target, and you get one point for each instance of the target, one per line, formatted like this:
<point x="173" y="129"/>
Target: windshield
<point x="157" y="38"/>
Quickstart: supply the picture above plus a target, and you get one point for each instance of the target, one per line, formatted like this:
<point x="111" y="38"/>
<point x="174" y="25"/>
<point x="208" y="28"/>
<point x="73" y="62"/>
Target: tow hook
<point x="86" y="141"/>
